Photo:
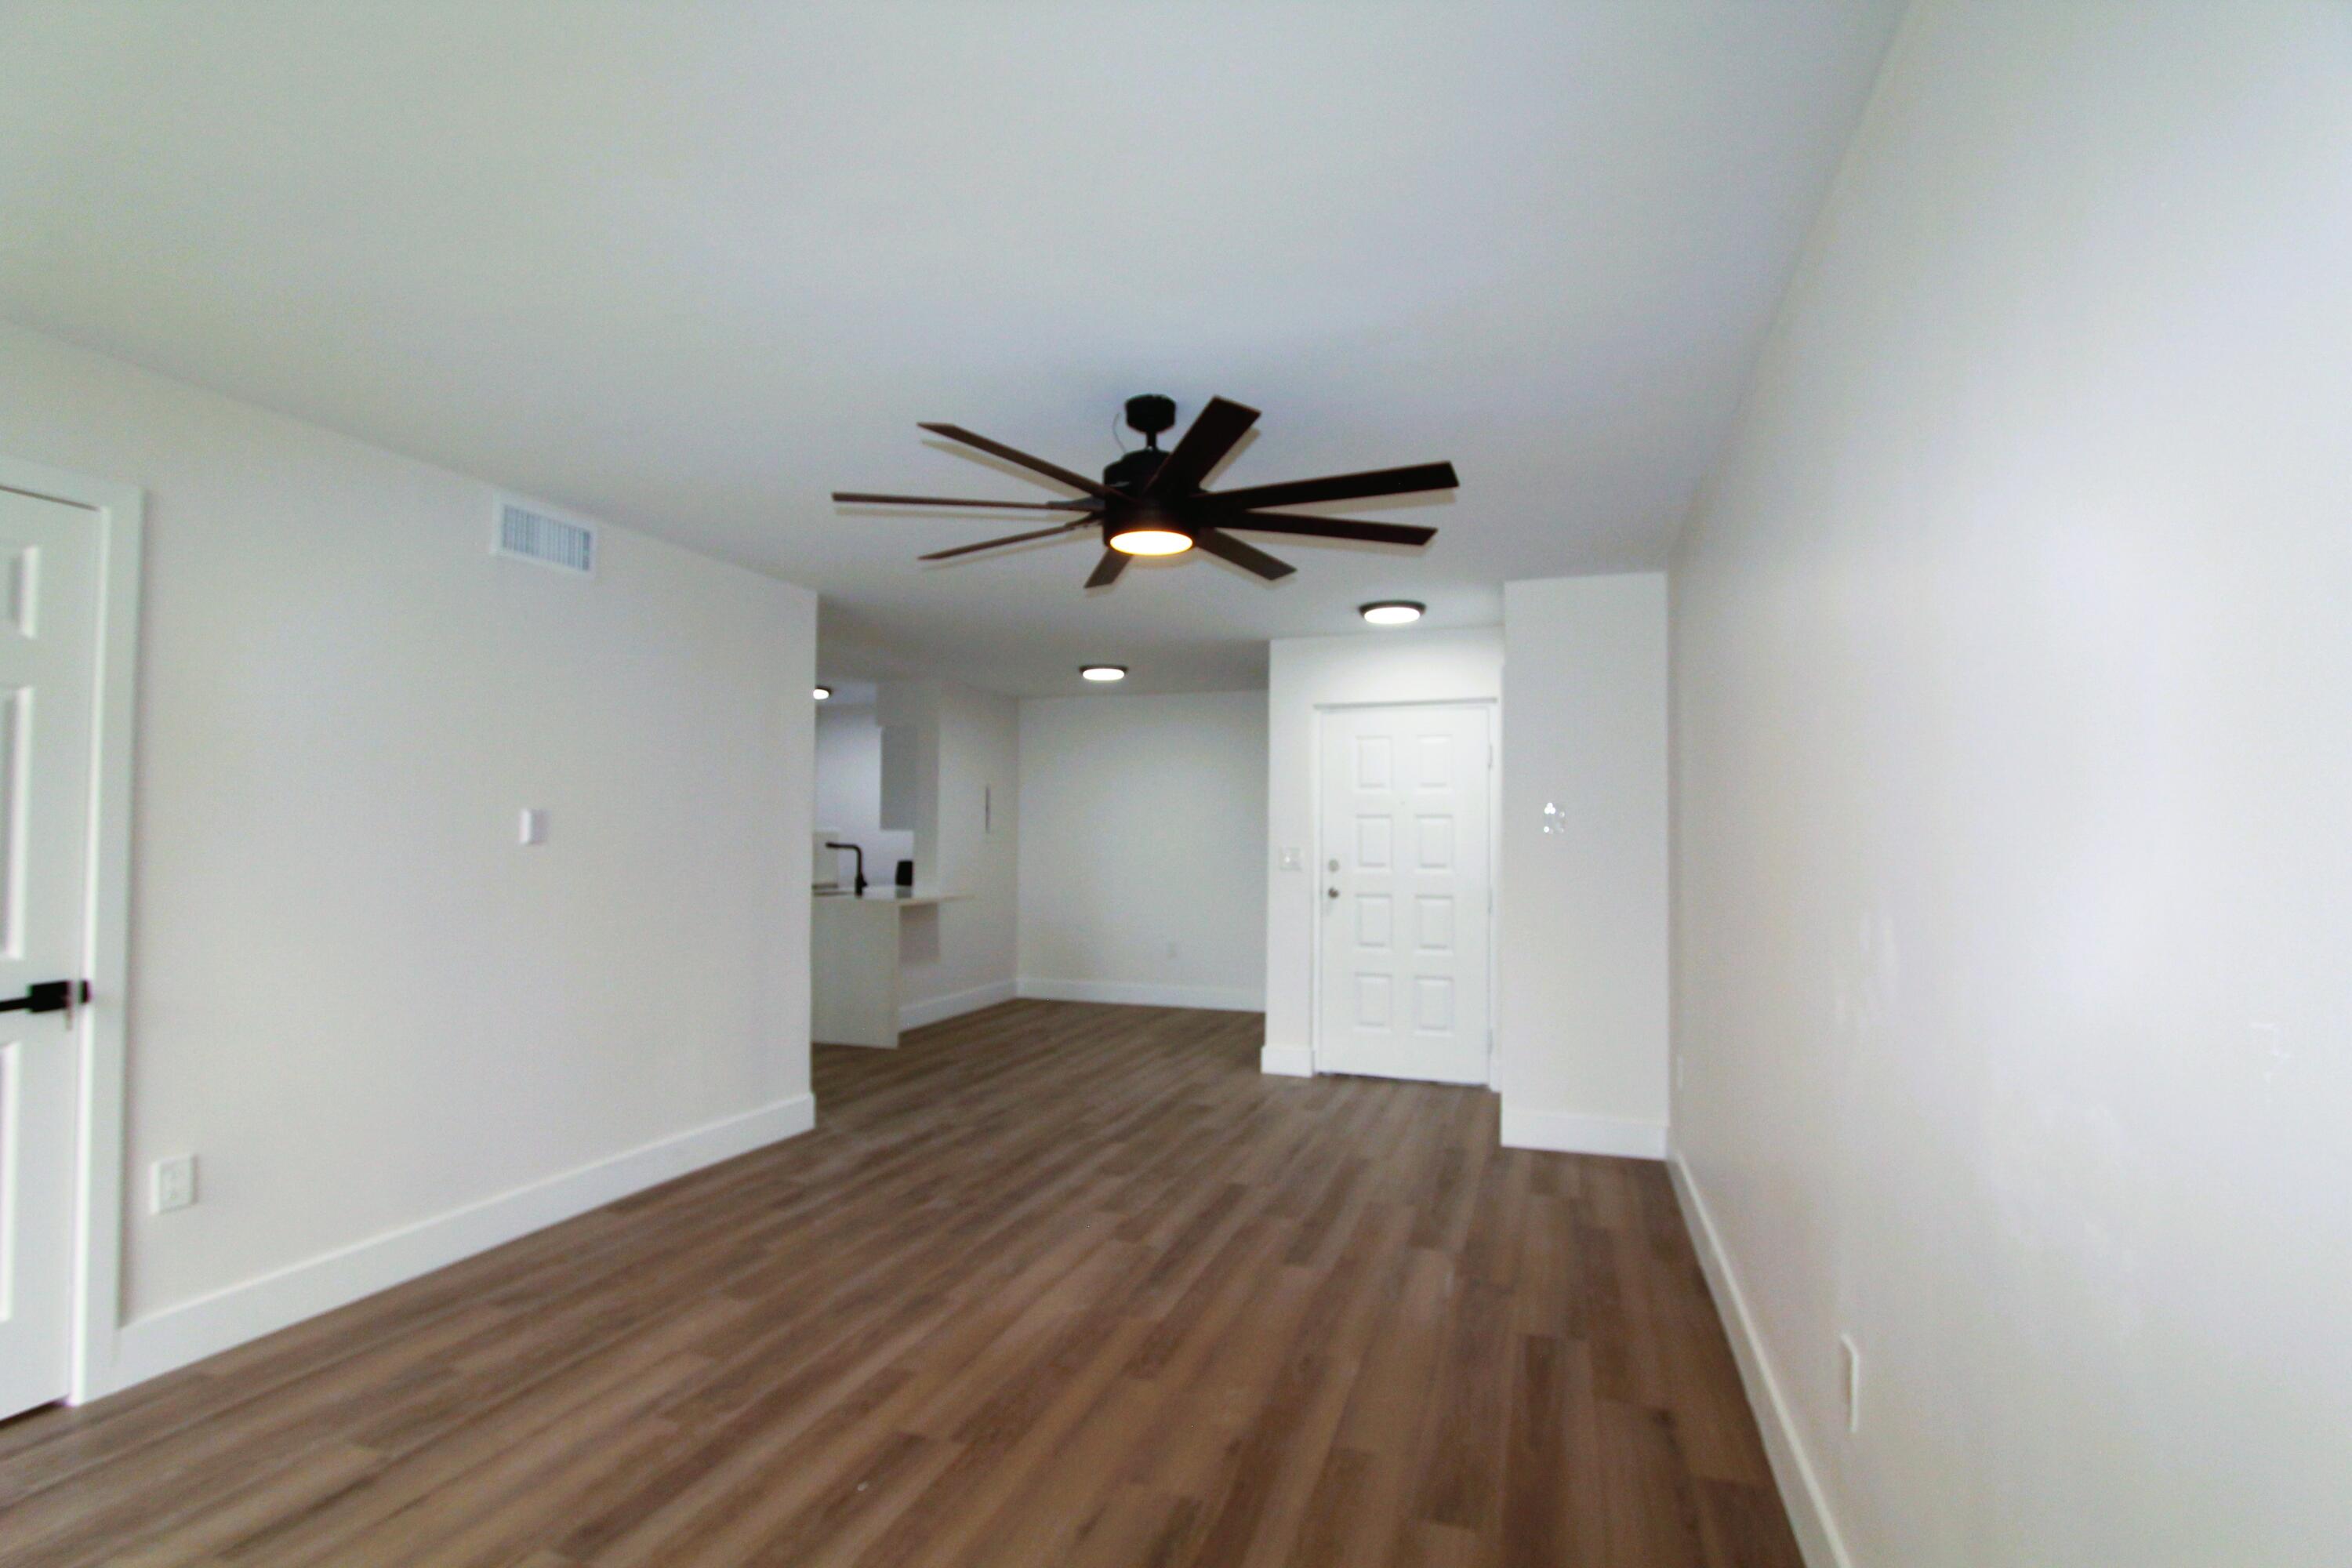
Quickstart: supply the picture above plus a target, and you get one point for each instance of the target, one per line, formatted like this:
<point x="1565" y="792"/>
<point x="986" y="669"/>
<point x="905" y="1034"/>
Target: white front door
<point x="1405" y="858"/>
<point x="48" y="623"/>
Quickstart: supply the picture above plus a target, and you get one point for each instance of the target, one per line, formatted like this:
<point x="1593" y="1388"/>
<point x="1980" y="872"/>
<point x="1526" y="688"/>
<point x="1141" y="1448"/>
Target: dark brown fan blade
<point x="1248" y="557"/>
<point x="1344" y="487"/>
<point x="1204" y="446"/>
<point x="1013" y="455"/>
<point x="1329" y="528"/>
<point x="1008" y="539"/>
<point x="860" y="498"/>
<point x="1107" y="569"/>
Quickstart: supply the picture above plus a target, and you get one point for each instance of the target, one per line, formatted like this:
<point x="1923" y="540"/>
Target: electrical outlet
<point x="175" y="1183"/>
<point x="532" y="829"/>
<point x="1853" y="1358"/>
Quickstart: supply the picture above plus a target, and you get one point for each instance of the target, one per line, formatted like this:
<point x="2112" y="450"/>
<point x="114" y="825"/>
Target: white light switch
<point x="1293" y="859"/>
<point x="176" y="1184"/>
<point x="533" y="829"/>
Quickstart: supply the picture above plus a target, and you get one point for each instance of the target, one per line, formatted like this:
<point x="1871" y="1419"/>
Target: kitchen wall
<point x="849" y="793"/>
<point x="962" y="955"/>
<point x="389" y="1034"/>
<point x="1143" y="848"/>
<point x="2013" y="888"/>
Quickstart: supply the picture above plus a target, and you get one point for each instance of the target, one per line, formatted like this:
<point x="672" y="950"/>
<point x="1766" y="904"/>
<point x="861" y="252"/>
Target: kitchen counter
<point x="854" y="963"/>
<point x="888" y="896"/>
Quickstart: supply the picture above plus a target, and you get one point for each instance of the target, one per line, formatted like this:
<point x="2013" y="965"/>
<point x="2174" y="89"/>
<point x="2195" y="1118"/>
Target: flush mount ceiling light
<point x="821" y="692"/>
<point x="1103" y="671"/>
<point x="1391" y="612"/>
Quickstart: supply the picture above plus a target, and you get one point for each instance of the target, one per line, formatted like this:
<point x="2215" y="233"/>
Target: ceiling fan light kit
<point x="1148" y="537"/>
<point x="1150" y="502"/>
<point x="1392" y="612"/>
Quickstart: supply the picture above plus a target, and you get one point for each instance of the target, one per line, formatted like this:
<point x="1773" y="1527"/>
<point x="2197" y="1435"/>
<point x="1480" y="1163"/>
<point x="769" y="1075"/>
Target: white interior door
<point x="48" y="585"/>
<point x="1406" y="904"/>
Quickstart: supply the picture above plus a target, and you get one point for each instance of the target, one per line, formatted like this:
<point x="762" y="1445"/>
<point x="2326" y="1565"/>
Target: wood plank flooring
<point x="1053" y="1284"/>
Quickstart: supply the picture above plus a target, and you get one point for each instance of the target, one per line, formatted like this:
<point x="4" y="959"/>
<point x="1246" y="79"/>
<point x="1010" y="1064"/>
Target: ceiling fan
<point x="1150" y="502"/>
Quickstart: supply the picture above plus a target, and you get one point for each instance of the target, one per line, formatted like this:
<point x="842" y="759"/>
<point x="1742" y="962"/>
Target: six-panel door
<point x="47" y="656"/>
<point x="1404" y="901"/>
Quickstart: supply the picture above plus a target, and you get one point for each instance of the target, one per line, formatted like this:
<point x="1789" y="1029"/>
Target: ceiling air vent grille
<point x="529" y="535"/>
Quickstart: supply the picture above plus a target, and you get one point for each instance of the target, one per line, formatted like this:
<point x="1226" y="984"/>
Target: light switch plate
<point x="533" y="826"/>
<point x="176" y="1184"/>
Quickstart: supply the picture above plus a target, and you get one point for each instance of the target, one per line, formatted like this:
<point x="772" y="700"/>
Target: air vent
<point x="529" y="535"/>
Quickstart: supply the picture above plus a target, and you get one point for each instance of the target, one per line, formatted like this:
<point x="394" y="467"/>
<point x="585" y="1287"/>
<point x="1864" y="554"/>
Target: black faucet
<point x="859" y="851"/>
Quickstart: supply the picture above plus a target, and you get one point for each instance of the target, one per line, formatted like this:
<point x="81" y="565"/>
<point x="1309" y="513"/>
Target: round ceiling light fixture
<point x="1152" y="541"/>
<point x="1148" y="535"/>
<point x="1103" y="672"/>
<point x="1392" y="612"/>
<point x="821" y="692"/>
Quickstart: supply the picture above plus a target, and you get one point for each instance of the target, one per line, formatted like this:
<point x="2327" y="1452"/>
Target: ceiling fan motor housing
<point x="1128" y="474"/>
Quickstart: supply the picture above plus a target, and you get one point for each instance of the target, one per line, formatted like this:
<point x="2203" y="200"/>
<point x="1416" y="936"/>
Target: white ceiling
<point x="689" y="267"/>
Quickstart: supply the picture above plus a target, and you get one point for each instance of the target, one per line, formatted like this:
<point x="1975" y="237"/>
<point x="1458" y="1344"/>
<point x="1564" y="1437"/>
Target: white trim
<point x="121" y="514"/>
<point x="1286" y="1061"/>
<point x="955" y="1003"/>
<point x="1568" y="1132"/>
<point x="180" y="1335"/>
<point x="1793" y="1469"/>
<point x="1144" y="993"/>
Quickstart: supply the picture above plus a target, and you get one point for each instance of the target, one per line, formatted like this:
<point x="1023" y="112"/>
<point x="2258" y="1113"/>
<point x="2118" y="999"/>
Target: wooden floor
<point x="1053" y="1284"/>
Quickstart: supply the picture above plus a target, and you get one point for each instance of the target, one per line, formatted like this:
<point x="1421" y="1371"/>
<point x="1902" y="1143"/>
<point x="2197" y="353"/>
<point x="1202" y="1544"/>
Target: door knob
<point x="1330" y="892"/>
<point x="49" y="996"/>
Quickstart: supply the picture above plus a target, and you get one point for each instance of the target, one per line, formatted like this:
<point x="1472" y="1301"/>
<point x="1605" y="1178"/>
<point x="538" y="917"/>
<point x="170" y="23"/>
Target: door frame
<point x="1323" y="712"/>
<point x="118" y="512"/>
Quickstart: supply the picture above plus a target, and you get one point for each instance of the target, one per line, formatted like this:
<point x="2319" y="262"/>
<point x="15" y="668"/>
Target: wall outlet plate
<point x="532" y="828"/>
<point x="175" y="1183"/>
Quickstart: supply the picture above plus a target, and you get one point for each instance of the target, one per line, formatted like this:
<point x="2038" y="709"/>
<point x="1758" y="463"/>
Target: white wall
<point x="354" y="997"/>
<point x="1143" y="850"/>
<point x="1580" y="922"/>
<point x="849" y="791"/>
<point x="2012" y="671"/>
<point x="957" y="956"/>
<point x="1303" y="675"/>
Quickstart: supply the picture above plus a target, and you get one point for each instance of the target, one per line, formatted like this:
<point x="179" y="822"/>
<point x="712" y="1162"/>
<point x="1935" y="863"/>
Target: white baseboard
<point x="932" y="1009"/>
<point x="1793" y="1469"/>
<point x="192" y="1330"/>
<point x="1565" y="1132"/>
<point x="1137" y="993"/>
<point x="1286" y="1061"/>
